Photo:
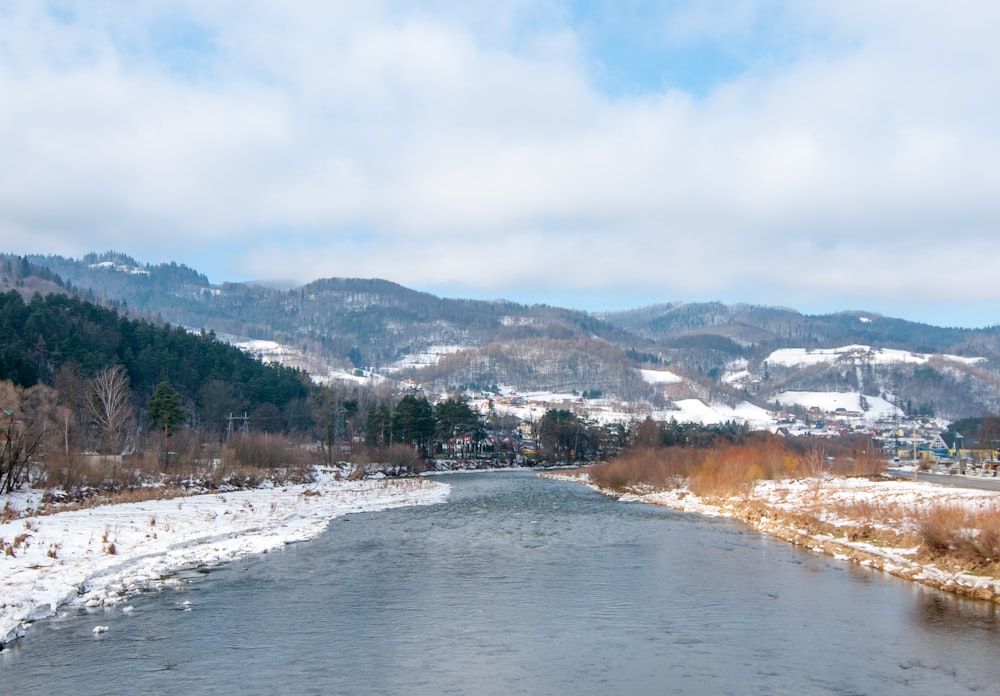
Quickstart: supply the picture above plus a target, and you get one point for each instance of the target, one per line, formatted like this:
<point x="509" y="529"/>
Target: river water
<point x="523" y="585"/>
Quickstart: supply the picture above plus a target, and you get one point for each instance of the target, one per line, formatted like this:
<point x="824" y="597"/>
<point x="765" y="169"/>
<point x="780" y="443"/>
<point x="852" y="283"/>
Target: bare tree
<point x="989" y="433"/>
<point x="110" y="407"/>
<point x="26" y="422"/>
<point x="73" y="416"/>
<point x="217" y="402"/>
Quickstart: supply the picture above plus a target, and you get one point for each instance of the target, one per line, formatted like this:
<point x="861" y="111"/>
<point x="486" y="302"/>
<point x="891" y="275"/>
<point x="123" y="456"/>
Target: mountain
<point x="772" y="327"/>
<point x="713" y="352"/>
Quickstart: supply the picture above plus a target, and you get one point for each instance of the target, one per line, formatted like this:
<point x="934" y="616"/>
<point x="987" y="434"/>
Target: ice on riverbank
<point x="98" y="556"/>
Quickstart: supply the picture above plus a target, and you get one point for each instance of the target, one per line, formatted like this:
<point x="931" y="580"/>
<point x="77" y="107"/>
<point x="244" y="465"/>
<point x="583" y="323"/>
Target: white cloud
<point x="412" y="143"/>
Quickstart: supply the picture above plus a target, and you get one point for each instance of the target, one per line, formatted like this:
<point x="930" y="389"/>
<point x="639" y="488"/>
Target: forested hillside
<point x="367" y="321"/>
<point x="720" y="352"/>
<point x="764" y="329"/>
<point x="59" y="334"/>
<point x="90" y="399"/>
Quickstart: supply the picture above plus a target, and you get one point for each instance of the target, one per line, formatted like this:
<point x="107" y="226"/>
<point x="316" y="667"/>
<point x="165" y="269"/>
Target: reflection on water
<point x="524" y="585"/>
<point x="949" y="616"/>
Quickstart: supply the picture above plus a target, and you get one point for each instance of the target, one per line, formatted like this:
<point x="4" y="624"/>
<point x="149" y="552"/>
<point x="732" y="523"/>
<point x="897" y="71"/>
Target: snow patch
<point x="425" y="358"/>
<point x="660" y="377"/>
<point x="872" y="408"/>
<point x="858" y="355"/>
<point x="98" y="556"/>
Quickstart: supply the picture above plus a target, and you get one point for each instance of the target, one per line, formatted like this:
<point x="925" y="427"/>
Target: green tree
<point x="457" y="419"/>
<point x="562" y="435"/>
<point x="378" y="425"/>
<point x="164" y="409"/>
<point x="413" y="421"/>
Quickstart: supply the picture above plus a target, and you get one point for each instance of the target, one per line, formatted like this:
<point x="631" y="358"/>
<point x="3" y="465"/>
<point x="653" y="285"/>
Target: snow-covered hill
<point x="860" y="355"/>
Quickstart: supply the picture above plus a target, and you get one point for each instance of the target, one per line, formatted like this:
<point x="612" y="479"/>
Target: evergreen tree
<point x="378" y="425"/>
<point x="165" y="410"/>
<point x="457" y="419"/>
<point x="563" y="435"/>
<point x="413" y="421"/>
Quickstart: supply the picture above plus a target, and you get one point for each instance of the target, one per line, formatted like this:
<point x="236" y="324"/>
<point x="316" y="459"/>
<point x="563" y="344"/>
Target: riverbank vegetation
<point x="787" y="488"/>
<point x="728" y="462"/>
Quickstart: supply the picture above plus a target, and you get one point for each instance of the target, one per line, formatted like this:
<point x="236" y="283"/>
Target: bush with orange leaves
<point x="722" y="470"/>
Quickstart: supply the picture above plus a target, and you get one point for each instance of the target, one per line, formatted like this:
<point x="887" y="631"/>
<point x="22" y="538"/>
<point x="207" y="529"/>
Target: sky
<point x="821" y="155"/>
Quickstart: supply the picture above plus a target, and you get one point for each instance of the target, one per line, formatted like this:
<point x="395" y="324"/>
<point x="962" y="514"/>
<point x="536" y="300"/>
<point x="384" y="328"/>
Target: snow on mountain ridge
<point x="858" y="354"/>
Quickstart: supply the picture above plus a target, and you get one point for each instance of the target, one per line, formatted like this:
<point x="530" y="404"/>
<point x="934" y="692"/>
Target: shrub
<point x="986" y="543"/>
<point x="869" y="511"/>
<point x="258" y="450"/>
<point x="720" y="471"/>
<point x="646" y="466"/>
<point x="724" y="476"/>
<point x="944" y="529"/>
<point x="395" y="460"/>
<point x="249" y="459"/>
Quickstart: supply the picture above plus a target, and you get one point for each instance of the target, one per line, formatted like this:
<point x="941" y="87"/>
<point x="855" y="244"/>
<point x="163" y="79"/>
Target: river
<point x="523" y="585"/>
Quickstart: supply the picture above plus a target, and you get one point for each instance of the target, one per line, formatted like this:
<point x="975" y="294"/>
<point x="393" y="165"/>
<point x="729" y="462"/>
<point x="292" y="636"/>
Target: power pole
<point x="229" y="425"/>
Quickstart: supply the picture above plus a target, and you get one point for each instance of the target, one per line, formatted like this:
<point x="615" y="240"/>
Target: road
<point x="954" y="480"/>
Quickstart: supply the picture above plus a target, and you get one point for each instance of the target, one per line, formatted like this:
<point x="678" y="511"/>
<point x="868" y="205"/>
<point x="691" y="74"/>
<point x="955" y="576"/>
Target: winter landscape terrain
<point x="663" y="358"/>
<point x="894" y="385"/>
<point x="97" y="557"/>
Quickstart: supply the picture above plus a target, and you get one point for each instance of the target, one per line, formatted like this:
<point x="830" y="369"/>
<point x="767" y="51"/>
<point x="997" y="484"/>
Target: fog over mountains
<point x="714" y="352"/>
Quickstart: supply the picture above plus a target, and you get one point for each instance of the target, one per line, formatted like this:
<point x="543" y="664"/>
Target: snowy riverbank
<point x="820" y="515"/>
<point x="99" y="556"/>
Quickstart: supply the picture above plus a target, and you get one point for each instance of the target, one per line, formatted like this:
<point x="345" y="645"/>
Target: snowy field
<point x="660" y="377"/>
<point x="697" y="411"/>
<point x="431" y="356"/>
<point x="858" y="354"/>
<point x="99" y="556"/>
<point x="871" y="408"/>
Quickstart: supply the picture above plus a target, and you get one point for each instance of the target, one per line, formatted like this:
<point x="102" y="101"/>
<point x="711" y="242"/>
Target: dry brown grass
<point x="940" y="527"/>
<point x="169" y="487"/>
<point x="732" y="470"/>
<point x="12" y="548"/>
<point x="870" y="511"/>
<point x="84" y="500"/>
<point x="724" y="471"/>
<point x="987" y="542"/>
<point x="717" y="472"/>
<point x="396" y="459"/>
<point x="875" y="521"/>
<point x="722" y="477"/>
<point x="954" y="535"/>
<point x="955" y="530"/>
<point x="857" y="466"/>
<point x="646" y="467"/>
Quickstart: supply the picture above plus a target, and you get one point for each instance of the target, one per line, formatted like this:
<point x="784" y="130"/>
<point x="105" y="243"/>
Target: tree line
<point x="79" y="379"/>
